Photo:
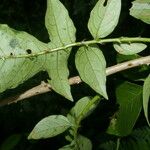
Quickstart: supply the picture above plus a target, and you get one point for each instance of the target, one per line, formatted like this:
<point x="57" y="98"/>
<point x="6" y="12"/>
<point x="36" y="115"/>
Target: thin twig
<point x="45" y="87"/>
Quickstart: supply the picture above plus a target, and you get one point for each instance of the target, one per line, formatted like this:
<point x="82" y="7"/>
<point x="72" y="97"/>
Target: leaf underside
<point x="141" y="10"/>
<point x="104" y="18"/>
<point x="91" y="66"/>
<point x="129" y="48"/>
<point x="50" y="127"/>
<point x="19" y="52"/>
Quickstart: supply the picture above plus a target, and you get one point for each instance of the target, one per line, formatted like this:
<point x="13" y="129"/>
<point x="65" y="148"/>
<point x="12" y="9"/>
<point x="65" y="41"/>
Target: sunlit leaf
<point x="141" y="10"/>
<point x="22" y="55"/>
<point x="61" y="32"/>
<point x="104" y="18"/>
<point x="129" y="97"/>
<point x="146" y="96"/>
<point x="16" y="65"/>
<point x="91" y="66"/>
<point x="50" y="127"/>
<point x="129" y="48"/>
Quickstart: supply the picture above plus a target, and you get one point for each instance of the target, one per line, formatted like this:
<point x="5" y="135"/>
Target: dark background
<point x="17" y="120"/>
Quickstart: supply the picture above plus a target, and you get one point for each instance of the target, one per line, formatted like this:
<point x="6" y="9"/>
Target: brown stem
<point x="45" y="87"/>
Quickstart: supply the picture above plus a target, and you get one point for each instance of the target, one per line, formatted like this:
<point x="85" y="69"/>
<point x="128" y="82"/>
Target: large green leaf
<point x="141" y="10"/>
<point x="138" y="140"/>
<point x="104" y="18"/>
<point x="15" y="70"/>
<point x="50" y="127"/>
<point x="62" y="32"/>
<point x="146" y="96"/>
<point x="129" y="97"/>
<point x="91" y="65"/>
<point x="22" y="55"/>
<point x="129" y="48"/>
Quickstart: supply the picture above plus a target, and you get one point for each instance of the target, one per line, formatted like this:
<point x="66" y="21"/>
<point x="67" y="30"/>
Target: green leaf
<point x="69" y="147"/>
<point x="50" y="127"/>
<point x="146" y="96"/>
<point x="16" y="65"/>
<point x="11" y="142"/>
<point x="84" y="143"/>
<point x="61" y="32"/>
<point x="129" y="48"/>
<point x="91" y="66"/>
<point x="141" y="10"/>
<point x="22" y="55"/>
<point x="104" y="18"/>
<point x="129" y="98"/>
<point x="138" y="140"/>
<point x="82" y="108"/>
<point x="58" y="23"/>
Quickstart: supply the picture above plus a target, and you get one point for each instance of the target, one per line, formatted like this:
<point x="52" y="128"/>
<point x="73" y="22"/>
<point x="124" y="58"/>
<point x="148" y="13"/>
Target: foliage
<point x="139" y="139"/>
<point x="22" y="56"/>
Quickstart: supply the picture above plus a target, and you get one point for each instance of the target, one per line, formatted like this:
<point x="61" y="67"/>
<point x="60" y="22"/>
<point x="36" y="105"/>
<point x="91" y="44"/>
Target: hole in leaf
<point x="11" y="54"/>
<point x="29" y="51"/>
<point x="105" y="3"/>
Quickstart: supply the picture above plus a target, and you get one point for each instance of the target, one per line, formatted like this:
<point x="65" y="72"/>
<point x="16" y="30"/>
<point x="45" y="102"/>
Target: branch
<point x="98" y="41"/>
<point x="45" y="87"/>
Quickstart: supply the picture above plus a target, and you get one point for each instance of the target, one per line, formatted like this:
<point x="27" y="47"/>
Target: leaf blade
<point x="82" y="108"/>
<point x="84" y="143"/>
<point x="87" y="59"/>
<point x="141" y="10"/>
<point x="129" y="49"/>
<point x="129" y="99"/>
<point x="50" y="127"/>
<point x="60" y="27"/>
<point x="61" y="32"/>
<point x="13" y="44"/>
<point x="146" y="96"/>
<point x="99" y="23"/>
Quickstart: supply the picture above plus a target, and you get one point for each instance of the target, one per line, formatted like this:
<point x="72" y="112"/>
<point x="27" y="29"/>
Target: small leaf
<point x="146" y="96"/>
<point x="141" y="10"/>
<point x="104" y="18"/>
<point x="61" y="32"/>
<point x="91" y="66"/>
<point x="129" y="49"/>
<point x="50" y="127"/>
<point x="84" y="143"/>
<point x="68" y="147"/>
<point x="129" y="98"/>
<point x="82" y="108"/>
